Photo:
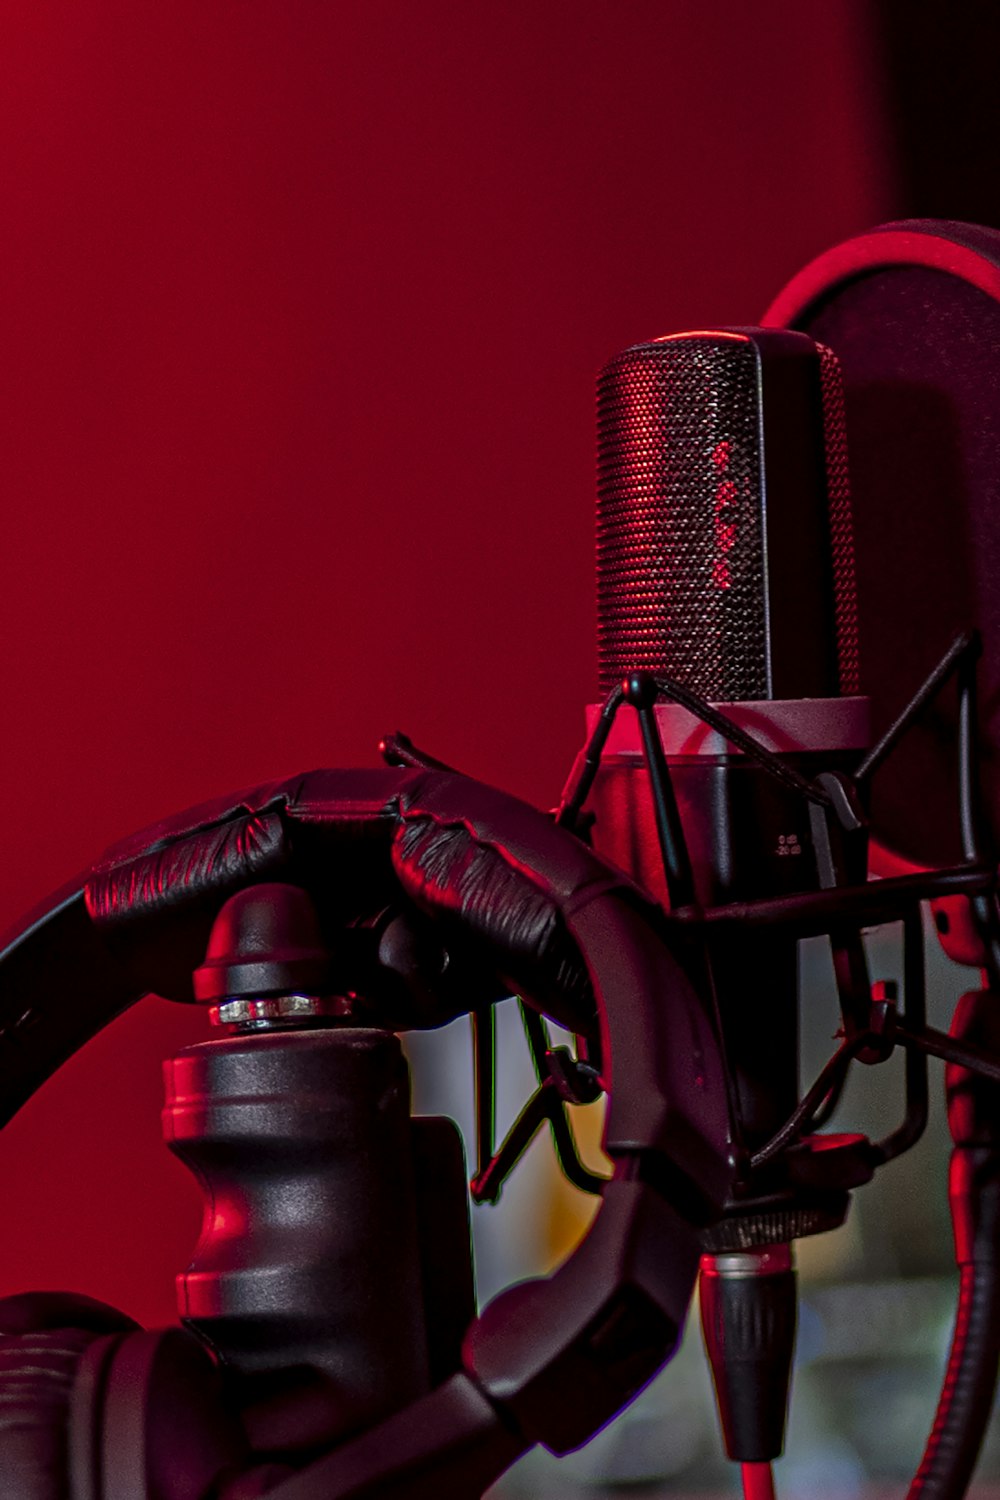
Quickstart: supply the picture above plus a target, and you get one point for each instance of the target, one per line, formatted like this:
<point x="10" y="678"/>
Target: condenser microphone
<point x="725" y="563"/>
<point x="725" y="566"/>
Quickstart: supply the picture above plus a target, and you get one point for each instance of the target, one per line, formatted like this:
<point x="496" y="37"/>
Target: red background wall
<point x="301" y="308"/>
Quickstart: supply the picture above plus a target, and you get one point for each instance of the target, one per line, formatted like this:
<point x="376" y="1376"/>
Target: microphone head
<point x="724" y="545"/>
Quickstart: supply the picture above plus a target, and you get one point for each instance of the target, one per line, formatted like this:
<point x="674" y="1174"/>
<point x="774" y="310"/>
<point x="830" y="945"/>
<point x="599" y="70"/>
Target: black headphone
<point x="92" y="1408"/>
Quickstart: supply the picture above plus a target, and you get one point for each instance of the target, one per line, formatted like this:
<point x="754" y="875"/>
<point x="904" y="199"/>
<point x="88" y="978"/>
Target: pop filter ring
<point x="969" y="251"/>
<point x="912" y="311"/>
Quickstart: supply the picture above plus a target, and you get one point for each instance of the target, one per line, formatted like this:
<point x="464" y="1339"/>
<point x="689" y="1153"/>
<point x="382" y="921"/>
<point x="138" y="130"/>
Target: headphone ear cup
<point x="148" y="1420"/>
<point x="43" y="1336"/>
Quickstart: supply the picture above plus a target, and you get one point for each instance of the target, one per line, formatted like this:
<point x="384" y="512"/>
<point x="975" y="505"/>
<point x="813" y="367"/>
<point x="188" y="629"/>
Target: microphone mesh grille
<point x="680" y="585"/>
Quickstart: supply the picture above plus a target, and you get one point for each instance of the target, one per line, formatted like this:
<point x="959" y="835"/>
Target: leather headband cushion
<point x="491" y="865"/>
<point x="329" y="831"/>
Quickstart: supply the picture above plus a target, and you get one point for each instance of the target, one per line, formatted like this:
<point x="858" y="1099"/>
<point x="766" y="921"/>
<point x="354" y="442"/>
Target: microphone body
<point x="725" y="563"/>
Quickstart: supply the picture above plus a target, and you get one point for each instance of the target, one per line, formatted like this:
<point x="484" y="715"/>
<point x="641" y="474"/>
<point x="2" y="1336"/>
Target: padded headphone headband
<point x="534" y="901"/>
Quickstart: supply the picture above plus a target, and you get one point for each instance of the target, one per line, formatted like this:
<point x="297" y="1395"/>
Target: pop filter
<point x="912" y="310"/>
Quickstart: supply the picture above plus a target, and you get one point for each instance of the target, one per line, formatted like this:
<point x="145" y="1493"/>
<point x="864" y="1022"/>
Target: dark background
<point x="301" y="307"/>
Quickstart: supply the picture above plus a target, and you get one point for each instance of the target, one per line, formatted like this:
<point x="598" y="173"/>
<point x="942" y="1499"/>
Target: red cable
<point x="758" y="1481"/>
